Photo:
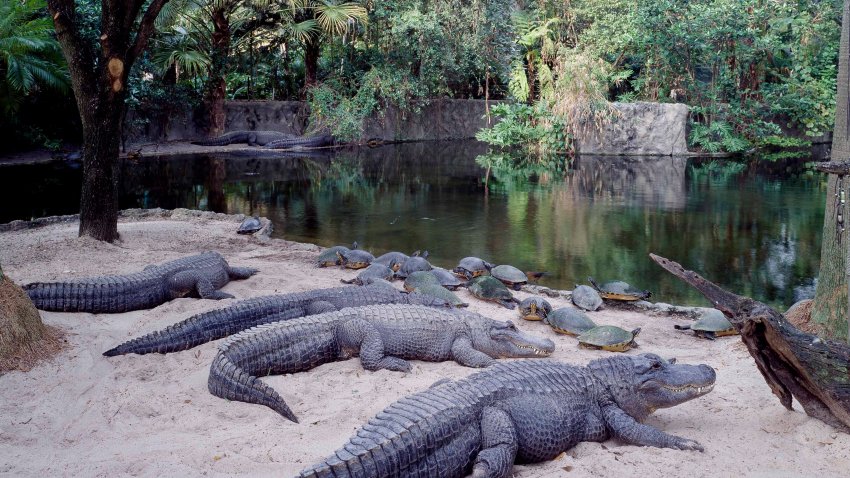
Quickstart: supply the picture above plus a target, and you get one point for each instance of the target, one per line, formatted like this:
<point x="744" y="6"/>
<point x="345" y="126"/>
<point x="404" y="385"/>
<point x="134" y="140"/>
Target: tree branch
<point x="146" y="28"/>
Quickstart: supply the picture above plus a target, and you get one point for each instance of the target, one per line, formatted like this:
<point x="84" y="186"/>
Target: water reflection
<point x="755" y="231"/>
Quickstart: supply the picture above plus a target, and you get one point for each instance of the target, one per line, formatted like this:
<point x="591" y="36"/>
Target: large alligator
<point x="251" y="137"/>
<point x="205" y="327"/>
<point x="384" y="337"/>
<point x="200" y="275"/>
<point x="315" y="141"/>
<point x="523" y="411"/>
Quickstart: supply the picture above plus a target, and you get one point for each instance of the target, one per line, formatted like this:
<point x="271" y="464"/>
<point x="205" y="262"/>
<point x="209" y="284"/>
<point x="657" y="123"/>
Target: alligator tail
<point x="233" y="383"/>
<point x="208" y="326"/>
<point x="111" y="295"/>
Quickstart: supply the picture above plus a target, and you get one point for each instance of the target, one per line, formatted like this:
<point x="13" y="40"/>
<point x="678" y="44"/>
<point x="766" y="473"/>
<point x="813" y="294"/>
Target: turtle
<point x="414" y="263"/>
<point x="446" y="278"/>
<point x="710" y="325"/>
<point x="330" y="256"/>
<point x="393" y="260"/>
<point x="619" y="290"/>
<point x="250" y="225"/>
<point x="418" y="279"/>
<point x="586" y="298"/>
<point x="472" y="267"/>
<point x="534" y="308"/>
<point x="510" y="276"/>
<point x="569" y="321"/>
<point x="608" y="337"/>
<point x="355" y="259"/>
<point x="440" y="292"/>
<point x="374" y="271"/>
<point x="492" y="289"/>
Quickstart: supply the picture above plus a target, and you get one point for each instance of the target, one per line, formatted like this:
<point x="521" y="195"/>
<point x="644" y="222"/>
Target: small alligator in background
<point x="253" y="138"/>
<point x="383" y="336"/>
<point x="523" y="411"/>
<point x="316" y="141"/>
<point x="205" y="327"/>
<point x="198" y="276"/>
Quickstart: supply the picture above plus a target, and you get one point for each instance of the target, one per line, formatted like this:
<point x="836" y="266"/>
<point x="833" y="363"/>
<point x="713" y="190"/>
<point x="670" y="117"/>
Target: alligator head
<point x="504" y="340"/>
<point x="641" y="384"/>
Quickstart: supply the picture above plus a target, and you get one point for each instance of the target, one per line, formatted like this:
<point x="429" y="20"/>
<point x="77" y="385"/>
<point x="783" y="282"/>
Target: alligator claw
<point x="685" y="444"/>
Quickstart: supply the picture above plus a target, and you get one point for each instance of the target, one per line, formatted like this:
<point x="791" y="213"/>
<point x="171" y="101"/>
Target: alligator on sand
<point x="383" y="336"/>
<point x="200" y="275"/>
<point x="523" y="411"/>
<point x="205" y="327"/>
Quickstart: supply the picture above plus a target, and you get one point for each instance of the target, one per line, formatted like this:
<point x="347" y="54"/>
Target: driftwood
<point x="795" y="364"/>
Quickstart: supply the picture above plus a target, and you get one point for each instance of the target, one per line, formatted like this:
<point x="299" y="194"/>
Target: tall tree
<point x="99" y="72"/>
<point x="830" y="307"/>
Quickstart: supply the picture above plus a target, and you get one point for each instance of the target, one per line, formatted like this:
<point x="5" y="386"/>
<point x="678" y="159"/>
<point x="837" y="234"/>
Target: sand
<point x="81" y="414"/>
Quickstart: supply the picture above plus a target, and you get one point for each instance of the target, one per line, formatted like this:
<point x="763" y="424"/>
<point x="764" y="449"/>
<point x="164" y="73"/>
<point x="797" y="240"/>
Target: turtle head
<point x="641" y="384"/>
<point x="534" y="308"/>
<point x="503" y="340"/>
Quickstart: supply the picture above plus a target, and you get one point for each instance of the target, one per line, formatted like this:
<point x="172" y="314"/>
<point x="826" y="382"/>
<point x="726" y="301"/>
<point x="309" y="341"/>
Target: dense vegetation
<point x="747" y="67"/>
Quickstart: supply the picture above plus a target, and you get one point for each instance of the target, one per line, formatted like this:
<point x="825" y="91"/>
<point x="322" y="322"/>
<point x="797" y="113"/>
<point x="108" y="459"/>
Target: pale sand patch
<point x="82" y="414"/>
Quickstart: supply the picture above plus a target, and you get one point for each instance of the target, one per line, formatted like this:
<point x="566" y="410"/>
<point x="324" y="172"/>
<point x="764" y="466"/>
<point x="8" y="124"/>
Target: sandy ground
<point x="81" y="414"/>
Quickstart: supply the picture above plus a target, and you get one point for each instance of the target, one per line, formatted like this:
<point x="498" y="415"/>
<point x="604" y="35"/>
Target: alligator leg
<point x="189" y="281"/>
<point x="498" y="445"/>
<point x="372" y="348"/>
<point x="319" y="307"/>
<point x="626" y="428"/>
<point x="238" y="273"/>
<point x="464" y="354"/>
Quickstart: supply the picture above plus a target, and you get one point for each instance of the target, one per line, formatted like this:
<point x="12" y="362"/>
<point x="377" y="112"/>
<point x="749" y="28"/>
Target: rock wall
<point x="653" y="129"/>
<point x="640" y="129"/>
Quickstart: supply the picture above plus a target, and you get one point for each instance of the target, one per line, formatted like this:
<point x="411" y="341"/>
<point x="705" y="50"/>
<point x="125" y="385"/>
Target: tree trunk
<point x="830" y="308"/>
<point x="311" y="61"/>
<point x="793" y="363"/>
<point x="217" y="87"/>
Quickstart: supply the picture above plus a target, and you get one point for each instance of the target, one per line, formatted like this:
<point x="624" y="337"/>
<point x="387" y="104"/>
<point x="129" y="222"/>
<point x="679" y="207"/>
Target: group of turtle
<point x="494" y="283"/>
<point x="483" y="280"/>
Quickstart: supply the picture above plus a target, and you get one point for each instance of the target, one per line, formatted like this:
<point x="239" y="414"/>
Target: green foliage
<point x="518" y="124"/>
<point x="30" y="58"/>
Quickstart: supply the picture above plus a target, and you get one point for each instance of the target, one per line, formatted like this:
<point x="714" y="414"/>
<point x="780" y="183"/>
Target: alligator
<point x="200" y="275"/>
<point x="315" y="141"/>
<point x="246" y="136"/>
<point x="208" y="326"/>
<point x="383" y="336"/>
<point x="523" y="411"/>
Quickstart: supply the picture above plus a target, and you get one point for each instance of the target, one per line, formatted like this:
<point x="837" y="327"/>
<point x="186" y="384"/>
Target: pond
<point x="754" y="230"/>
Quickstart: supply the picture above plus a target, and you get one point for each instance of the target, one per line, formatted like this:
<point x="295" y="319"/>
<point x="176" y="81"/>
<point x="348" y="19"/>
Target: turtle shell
<point x="569" y="321"/>
<point x="446" y="278"/>
<point x="413" y="264"/>
<point x="619" y="290"/>
<point x="419" y="279"/>
<point x="440" y="292"/>
<point x="510" y="275"/>
<point x="250" y="225"/>
<point x="330" y="256"/>
<point x="374" y="271"/>
<point x="393" y="260"/>
<point x="492" y="289"/>
<point x="586" y="297"/>
<point x="710" y="324"/>
<point x="472" y="267"/>
<point x="534" y="308"/>
<point x="356" y="259"/>
<point x="608" y="337"/>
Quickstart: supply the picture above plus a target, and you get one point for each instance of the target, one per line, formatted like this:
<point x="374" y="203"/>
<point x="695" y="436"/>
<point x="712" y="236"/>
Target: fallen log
<point x="795" y="364"/>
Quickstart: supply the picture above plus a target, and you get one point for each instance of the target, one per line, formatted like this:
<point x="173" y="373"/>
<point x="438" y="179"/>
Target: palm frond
<point x="335" y="18"/>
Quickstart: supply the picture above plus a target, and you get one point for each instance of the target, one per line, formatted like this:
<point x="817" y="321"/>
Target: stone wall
<point x="653" y="129"/>
<point x="640" y="129"/>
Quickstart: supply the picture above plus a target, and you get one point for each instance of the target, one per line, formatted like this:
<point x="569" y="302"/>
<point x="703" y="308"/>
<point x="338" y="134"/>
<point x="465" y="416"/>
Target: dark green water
<point x="752" y="230"/>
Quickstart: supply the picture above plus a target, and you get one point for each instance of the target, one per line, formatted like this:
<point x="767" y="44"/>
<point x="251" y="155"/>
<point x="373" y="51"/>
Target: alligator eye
<point x="656" y="365"/>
